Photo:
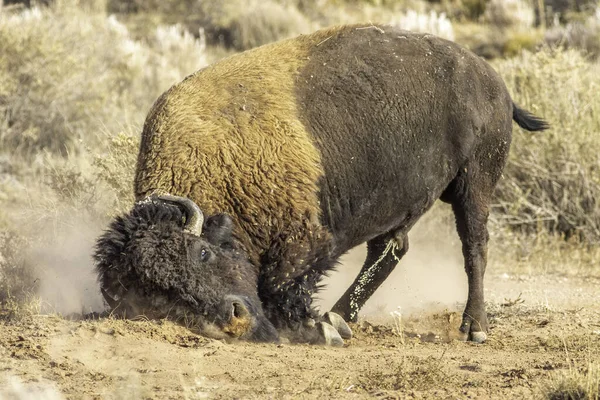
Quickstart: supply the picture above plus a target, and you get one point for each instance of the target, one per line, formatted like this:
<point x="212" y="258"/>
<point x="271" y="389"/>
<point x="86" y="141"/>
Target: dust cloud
<point x="430" y="277"/>
<point x="62" y="256"/>
<point x="16" y="389"/>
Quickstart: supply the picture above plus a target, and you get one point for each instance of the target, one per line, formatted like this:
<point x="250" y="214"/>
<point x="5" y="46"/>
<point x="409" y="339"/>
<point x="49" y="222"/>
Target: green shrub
<point x="520" y="40"/>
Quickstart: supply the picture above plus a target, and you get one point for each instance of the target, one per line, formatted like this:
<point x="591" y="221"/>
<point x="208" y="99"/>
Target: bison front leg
<point x="383" y="254"/>
<point x="290" y="276"/>
<point x="289" y="307"/>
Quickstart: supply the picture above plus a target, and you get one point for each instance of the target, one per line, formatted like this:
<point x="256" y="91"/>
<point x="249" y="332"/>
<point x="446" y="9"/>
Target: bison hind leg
<point x="470" y="195"/>
<point x="383" y="254"/>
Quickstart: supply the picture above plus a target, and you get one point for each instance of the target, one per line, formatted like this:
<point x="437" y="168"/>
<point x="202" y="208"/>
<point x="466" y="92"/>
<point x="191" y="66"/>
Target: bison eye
<point x="204" y="254"/>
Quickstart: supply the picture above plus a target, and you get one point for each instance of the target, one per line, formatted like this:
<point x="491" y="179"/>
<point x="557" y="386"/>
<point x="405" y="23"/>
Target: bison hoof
<point x="475" y="337"/>
<point x="474" y="329"/>
<point x="309" y="323"/>
<point x="478" y="337"/>
<point x="339" y="324"/>
<point x="330" y="335"/>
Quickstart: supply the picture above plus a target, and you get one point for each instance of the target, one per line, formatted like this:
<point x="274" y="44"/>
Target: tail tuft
<point x="528" y="121"/>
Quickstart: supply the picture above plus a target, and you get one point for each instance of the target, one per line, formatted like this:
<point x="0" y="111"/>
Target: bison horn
<point x="194" y="219"/>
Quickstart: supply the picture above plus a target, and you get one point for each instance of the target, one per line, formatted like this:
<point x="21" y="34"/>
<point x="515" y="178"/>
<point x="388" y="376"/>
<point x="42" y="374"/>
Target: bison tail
<point x="528" y="121"/>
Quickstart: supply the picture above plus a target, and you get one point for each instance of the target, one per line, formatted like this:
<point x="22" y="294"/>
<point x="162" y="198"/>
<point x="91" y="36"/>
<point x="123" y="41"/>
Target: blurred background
<point x="77" y="78"/>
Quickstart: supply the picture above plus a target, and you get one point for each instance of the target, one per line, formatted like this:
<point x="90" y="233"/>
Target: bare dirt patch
<point x="553" y="326"/>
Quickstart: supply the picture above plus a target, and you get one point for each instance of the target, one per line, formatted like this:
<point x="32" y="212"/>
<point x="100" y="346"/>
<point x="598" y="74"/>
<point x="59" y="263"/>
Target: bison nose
<point x="238" y="310"/>
<point x="237" y="318"/>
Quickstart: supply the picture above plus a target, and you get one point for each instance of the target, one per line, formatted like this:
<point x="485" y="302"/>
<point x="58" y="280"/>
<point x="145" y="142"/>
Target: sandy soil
<point x="554" y="325"/>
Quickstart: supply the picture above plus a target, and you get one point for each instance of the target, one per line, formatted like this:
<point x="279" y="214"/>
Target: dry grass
<point x="552" y="179"/>
<point x="67" y="76"/>
<point x="411" y="373"/>
<point x="543" y="253"/>
<point x="574" y="384"/>
<point x="243" y="25"/>
<point x="584" y="34"/>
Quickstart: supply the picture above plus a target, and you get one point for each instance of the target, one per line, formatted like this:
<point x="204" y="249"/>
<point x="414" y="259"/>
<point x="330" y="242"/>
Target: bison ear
<point x="218" y="230"/>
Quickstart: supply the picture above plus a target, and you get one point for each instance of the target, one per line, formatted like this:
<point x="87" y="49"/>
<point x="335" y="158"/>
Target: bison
<point x="299" y="151"/>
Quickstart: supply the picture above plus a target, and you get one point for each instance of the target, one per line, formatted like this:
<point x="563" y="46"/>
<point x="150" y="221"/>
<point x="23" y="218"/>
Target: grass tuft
<point x="574" y="384"/>
<point x="411" y="373"/>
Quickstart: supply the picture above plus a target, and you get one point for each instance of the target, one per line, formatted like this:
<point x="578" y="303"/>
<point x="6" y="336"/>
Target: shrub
<point x="519" y="40"/>
<point x="461" y="10"/>
<point x="337" y="12"/>
<point x="552" y="179"/>
<point x="505" y="13"/>
<point x="473" y="9"/>
<point x="265" y="22"/>
<point x="583" y="35"/>
<point x="564" y="10"/>
<point x="66" y="75"/>
<point x="115" y="168"/>
<point x="69" y="80"/>
<point x="432" y="22"/>
<point x="241" y="24"/>
<point x="17" y="278"/>
<point x="57" y="216"/>
<point x="54" y="80"/>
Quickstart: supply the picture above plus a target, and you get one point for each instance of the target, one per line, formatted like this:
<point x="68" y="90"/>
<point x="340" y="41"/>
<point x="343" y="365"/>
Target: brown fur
<point x="240" y="112"/>
<point x="322" y="142"/>
<point x="394" y="114"/>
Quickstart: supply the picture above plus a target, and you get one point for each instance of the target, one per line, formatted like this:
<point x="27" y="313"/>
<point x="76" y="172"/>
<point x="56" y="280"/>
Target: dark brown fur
<point x="420" y="117"/>
<point x="317" y="144"/>
<point x="149" y="265"/>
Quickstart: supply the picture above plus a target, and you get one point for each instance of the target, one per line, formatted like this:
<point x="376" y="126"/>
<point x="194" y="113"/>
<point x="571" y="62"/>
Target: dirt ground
<point x="554" y="325"/>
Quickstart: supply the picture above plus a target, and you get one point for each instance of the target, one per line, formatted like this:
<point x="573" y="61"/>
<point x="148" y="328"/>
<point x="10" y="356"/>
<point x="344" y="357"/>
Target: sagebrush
<point x="552" y="180"/>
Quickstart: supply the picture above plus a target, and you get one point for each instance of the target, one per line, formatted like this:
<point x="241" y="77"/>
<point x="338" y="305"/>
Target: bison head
<point x="164" y="260"/>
